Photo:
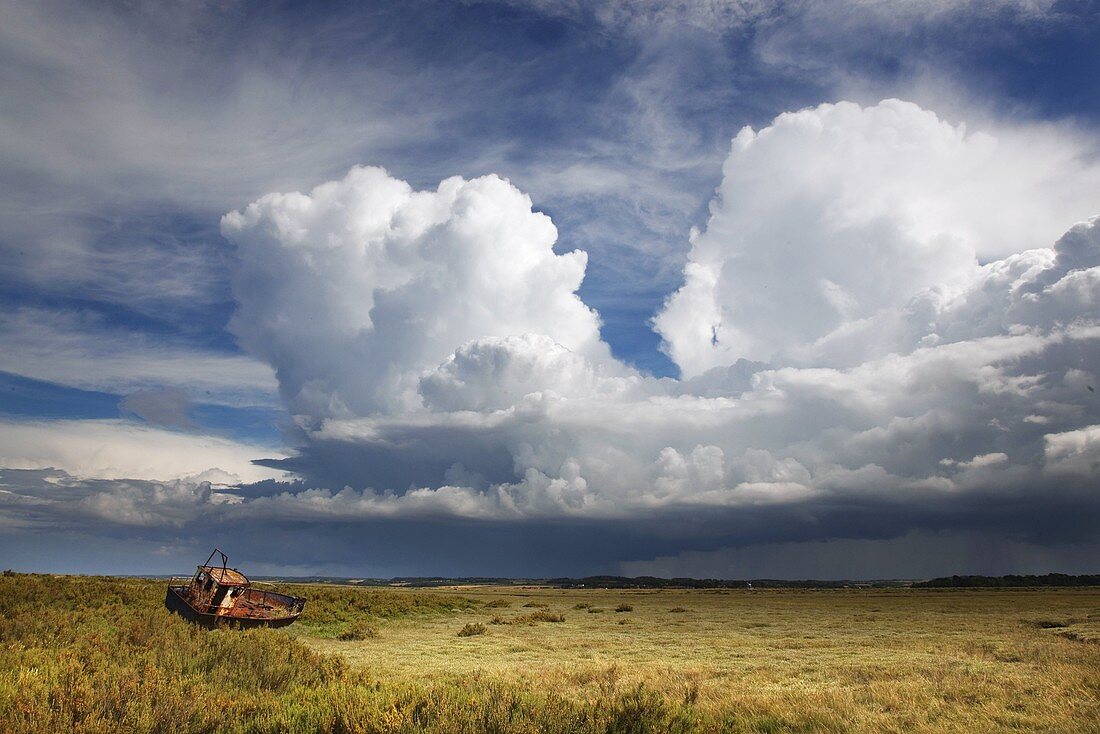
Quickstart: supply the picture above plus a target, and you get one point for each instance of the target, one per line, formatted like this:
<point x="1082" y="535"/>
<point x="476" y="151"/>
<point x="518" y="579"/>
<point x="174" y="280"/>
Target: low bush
<point x="624" y="608"/>
<point x="471" y="629"/>
<point x="498" y="604"/>
<point x="539" y="616"/>
<point x="1049" y="624"/>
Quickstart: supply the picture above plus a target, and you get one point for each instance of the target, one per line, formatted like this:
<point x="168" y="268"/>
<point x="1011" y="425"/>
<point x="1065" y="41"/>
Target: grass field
<point x="90" y="655"/>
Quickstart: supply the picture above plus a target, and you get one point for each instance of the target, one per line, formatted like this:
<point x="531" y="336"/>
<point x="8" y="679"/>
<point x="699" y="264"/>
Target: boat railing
<point x="179" y="581"/>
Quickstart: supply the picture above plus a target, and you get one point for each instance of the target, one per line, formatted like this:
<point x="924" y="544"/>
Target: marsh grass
<point x="860" y="660"/>
<point x="539" y="616"/>
<point x="529" y="619"/>
<point x="358" y="630"/>
<point x="100" y="655"/>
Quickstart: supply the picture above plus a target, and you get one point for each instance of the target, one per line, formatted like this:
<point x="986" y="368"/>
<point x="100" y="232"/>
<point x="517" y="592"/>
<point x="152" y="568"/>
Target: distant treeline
<point x="595" y="582"/>
<point x="653" y="582"/>
<point x="1050" y="579"/>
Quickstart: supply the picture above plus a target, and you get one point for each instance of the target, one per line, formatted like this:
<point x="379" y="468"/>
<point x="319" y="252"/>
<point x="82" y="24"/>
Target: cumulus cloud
<point x="870" y="321"/>
<point x="1074" y="452"/>
<point x="832" y="219"/>
<point x="355" y="289"/>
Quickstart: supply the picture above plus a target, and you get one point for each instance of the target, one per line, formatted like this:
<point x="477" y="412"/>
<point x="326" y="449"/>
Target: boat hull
<point x="177" y="602"/>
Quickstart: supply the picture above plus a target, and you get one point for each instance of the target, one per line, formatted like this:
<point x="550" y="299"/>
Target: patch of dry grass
<point x="790" y="660"/>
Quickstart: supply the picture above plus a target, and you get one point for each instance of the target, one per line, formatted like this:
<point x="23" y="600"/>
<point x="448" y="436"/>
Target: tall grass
<point x="92" y="655"/>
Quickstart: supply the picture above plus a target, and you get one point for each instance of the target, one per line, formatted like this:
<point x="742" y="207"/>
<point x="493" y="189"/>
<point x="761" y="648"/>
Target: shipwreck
<point x="218" y="596"/>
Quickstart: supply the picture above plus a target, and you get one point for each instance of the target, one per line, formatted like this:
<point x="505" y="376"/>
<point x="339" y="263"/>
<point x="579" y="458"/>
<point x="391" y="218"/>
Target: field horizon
<point x="1046" y="580"/>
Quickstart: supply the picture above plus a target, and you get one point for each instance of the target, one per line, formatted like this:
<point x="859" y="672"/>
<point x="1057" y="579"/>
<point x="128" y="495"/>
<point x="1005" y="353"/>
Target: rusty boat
<point x="219" y="596"/>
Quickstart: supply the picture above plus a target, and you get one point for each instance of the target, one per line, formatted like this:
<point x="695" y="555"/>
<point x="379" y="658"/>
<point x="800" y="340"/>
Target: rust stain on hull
<point x="221" y="596"/>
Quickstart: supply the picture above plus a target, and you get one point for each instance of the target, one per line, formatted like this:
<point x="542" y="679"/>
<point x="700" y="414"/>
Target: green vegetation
<point x="103" y="655"/>
<point x="358" y="630"/>
<point x="539" y="616"/>
<point x="1003" y="582"/>
<point x="334" y="611"/>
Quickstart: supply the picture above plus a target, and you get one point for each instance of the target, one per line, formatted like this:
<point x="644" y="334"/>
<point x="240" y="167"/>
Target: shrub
<point x="678" y="610"/>
<point x="596" y="610"/>
<point x="537" y="605"/>
<point x="539" y="616"/>
<point x="624" y="608"/>
<point x="582" y="605"/>
<point x="498" y="604"/>
<point x="471" y="629"/>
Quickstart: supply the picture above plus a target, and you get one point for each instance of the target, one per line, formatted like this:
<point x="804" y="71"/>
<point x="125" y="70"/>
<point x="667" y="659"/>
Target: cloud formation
<point x="832" y="217"/>
<point x="355" y="289"/>
<point x="871" y="335"/>
<point x="885" y="332"/>
<point x="79" y="349"/>
<point x="109" y="449"/>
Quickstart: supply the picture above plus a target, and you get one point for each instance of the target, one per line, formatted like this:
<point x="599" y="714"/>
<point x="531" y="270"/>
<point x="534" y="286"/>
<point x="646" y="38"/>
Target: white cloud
<point x="1074" y="452"/>
<point x="109" y="449"/>
<point x="354" y="290"/>
<point x="438" y="356"/>
<point x="832" y="219"/>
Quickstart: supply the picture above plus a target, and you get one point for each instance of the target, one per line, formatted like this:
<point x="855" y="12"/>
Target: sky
<point x="530" y="288"/>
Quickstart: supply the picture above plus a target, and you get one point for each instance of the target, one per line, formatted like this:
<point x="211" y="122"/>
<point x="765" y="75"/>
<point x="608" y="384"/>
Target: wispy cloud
<point x="81" y="350"/>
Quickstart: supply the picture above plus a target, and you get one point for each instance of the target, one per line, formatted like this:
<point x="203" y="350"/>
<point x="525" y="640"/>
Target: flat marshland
<point x="93" y="654"/>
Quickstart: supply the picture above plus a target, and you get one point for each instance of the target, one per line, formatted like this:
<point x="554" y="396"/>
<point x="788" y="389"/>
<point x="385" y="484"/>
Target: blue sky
<point x="474" y="382"/>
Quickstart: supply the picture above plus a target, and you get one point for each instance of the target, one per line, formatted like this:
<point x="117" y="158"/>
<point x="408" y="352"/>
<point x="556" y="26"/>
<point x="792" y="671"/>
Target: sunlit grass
<point x="100" y="655"/>
<point x="844" y="660"/>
